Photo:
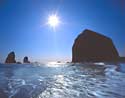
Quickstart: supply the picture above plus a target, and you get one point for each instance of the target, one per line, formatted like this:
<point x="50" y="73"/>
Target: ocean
<point x="62" y="80"/>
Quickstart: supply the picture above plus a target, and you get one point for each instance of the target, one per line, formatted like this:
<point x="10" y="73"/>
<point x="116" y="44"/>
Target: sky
<point x="23" y="26"/>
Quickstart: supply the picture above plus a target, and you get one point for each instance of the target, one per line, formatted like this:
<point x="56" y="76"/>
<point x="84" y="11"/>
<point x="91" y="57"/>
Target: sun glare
<point x="53" y="21"/>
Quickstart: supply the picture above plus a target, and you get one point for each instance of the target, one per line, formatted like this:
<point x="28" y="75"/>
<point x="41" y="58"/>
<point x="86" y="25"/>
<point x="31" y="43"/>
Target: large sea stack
<point x="90" y="46"/>
<point x="10" y="58"/>
<point x="25" y="60"/>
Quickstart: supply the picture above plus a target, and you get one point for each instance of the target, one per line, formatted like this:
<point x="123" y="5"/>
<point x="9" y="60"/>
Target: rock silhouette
<point x="90" y="46"/>
<point x="10" y="58"/>
<point x="25" y="60"/>
<point x="18" y="62"/>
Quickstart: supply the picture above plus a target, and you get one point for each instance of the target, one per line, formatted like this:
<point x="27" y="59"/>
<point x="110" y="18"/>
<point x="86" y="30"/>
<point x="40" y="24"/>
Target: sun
<point x="53" y="20"/>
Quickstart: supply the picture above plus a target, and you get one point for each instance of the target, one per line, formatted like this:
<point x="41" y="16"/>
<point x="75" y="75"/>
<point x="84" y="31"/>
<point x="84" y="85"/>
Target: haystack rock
<point x="25" y="60"/>
<point x="90" y="46"/>
<point x="10" y="58"/>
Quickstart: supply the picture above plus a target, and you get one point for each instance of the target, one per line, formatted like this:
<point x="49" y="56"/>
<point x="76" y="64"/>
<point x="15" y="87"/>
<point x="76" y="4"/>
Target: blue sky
<point x="23" y="29"/>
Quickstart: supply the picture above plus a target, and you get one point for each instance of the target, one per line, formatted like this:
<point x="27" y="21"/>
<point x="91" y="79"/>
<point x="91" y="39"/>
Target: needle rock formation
<point x="10" y="58"/>
<point x="25" y="60"/>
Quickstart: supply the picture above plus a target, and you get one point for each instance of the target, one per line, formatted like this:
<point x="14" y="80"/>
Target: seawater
<point x="62" y="80"/>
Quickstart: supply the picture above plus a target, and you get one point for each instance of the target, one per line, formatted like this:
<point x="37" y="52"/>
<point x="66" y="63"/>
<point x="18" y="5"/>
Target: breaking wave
<point x="53" y="80"/>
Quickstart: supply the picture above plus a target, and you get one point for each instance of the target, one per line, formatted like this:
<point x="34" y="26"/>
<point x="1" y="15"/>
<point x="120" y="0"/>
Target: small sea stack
<point x="26" y="60"/>
<point x="91" y="46"/>
<point x="18" y="62"/>
<point x="10" y="58"/>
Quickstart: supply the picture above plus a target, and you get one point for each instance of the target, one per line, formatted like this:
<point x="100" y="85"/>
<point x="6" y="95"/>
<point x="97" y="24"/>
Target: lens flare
<point x="53" y="21"/>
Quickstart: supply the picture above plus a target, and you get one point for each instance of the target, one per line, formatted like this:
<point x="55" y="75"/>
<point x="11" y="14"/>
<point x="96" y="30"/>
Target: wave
<point x="88" y="80"/>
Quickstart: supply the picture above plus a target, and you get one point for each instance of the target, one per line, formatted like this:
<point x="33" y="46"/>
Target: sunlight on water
<point x="101" y="63"/>
<point x="54" y="64"/>
<point x="57" y="80"/>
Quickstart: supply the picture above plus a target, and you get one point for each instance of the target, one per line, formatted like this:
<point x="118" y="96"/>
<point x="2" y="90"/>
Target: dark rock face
<point x="25" y="60"/>
<point x="10" y="58"/>
<point x="90" y="46"/>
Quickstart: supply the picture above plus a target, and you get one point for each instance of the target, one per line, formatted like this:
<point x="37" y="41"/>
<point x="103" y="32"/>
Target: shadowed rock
<point x="25" y="60"/>
<point x="10" y="58"/>
<point x="90" y="46"/>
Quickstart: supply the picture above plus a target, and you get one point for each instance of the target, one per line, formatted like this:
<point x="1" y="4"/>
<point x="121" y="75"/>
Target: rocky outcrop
<point x="18" y="62"/>
<point x="10" y="58"/>
<point x="25" y="60"/>
<point x="90" y="46"/>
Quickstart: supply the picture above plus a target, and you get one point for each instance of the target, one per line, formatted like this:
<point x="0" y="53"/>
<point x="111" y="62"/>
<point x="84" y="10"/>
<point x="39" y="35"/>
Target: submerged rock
<point x="10" y="58"/>
<point x="3" y="94"/>
<point x="25" y="60"/>
<point x="90" y="46"/>
<point x="23" y="92"/>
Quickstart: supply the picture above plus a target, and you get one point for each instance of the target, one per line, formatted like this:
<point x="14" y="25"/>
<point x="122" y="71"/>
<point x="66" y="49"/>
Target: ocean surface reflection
<point x="61" y="80"/>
